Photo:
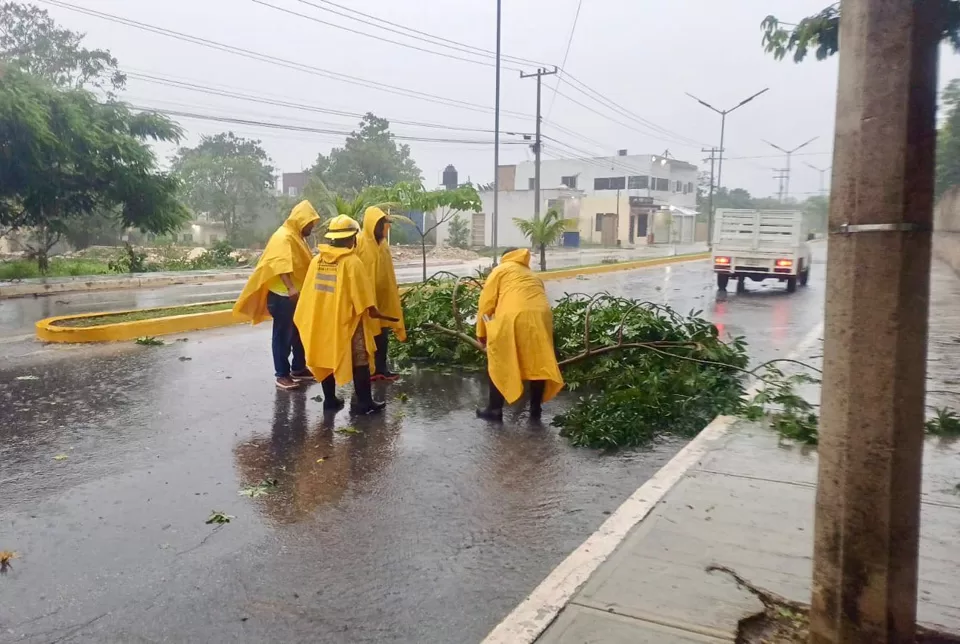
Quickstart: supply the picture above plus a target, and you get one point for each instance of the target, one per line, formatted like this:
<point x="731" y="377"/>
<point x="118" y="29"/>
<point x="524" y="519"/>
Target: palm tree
<point x="543" y="232"/>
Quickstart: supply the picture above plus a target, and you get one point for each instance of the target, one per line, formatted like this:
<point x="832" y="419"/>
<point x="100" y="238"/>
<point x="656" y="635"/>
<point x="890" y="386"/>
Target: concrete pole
<point x="877" y="293"/>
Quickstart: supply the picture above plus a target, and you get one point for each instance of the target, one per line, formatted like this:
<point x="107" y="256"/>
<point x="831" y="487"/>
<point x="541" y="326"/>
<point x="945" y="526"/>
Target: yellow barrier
<point x="49" y="331"/>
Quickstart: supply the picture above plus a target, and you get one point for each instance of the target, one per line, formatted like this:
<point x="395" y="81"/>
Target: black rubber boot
<point x="365" y="404"/>
<point x="380" y="369"/>
<point x="537" y="388"/>
<point x="330" y="400"/>
<point x="494" y="409"/>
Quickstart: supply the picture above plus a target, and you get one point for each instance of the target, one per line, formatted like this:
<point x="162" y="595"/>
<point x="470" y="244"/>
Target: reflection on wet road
<point x="425" y="525"/>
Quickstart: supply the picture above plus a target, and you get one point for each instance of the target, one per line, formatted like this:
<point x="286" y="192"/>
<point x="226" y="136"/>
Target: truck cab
<point x="761" y="245"/>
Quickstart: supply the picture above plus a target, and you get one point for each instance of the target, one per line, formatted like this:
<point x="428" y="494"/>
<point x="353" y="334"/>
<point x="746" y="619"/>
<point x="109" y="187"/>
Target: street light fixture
<point x="723" y="126"/>
<point x="789" y="153"/>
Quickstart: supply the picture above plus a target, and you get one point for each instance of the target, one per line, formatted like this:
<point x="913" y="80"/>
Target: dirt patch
<point x="146" y="314"/>
<point x="785" y="622"/>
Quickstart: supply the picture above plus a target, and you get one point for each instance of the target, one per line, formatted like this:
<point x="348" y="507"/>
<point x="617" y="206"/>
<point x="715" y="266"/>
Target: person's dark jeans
<point x="286" y="338"/>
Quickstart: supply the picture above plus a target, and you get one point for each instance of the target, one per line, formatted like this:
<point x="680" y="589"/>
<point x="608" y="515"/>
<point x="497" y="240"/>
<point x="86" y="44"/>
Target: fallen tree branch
<point x="624" y="345"/>
<point x="463" y="337"/>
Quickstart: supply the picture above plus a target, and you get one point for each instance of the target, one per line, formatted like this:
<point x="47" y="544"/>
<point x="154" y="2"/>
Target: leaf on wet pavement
<point x="317" y="398"/>
<point x="348" y="430"/>
<point x="6" y="556"/>
<point x="321" y="460"/>
<point x="28" y="377"/>
<point x="149" y="341"/>
<point x="219" y="517"/>
<point x="403" y="397"/>
<point x="60" y="457"/>
<point x="262" y="488"/>
<point x="184" y="358"/>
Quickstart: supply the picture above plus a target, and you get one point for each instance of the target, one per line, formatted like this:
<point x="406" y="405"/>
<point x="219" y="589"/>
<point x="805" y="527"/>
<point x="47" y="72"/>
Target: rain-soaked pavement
<point x="426" y="525"/>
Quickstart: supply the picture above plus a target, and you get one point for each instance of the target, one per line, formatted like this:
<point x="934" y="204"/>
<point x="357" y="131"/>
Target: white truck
<point x="761" y="245"/>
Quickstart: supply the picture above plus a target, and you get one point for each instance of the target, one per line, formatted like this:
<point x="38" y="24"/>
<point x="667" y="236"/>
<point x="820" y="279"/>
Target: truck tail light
<point x="721" y="261"/>
<point x="784" y="263"/>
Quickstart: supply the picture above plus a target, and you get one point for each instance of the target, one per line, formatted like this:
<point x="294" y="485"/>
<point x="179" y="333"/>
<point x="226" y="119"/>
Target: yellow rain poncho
<point x="336" y="296"/>
<point x="379" y="263"/>
<point x="515" y="317"/>
<point x="286" y="252"/>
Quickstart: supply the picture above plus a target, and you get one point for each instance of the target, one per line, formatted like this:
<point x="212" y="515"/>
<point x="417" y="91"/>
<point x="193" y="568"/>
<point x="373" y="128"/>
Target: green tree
<point x="228" y="177"/>
<point x="32" y="42"/>
<point x="817" y="209"/>
<point x="948" y="140"/>
<point x="543" y="232"/>
<point x="369" y="157"/>
<point x="435" y="206"/>
<point x="458" y="232"/>
<point x="64" y="155"/>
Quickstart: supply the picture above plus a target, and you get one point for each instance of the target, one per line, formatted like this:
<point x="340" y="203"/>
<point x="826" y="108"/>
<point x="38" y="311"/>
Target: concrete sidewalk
<point x="739" y="497"/>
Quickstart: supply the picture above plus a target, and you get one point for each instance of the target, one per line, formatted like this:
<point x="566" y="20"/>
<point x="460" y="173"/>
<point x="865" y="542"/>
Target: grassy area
<point x="19" y="269"/>
<point x="146" y="314"/>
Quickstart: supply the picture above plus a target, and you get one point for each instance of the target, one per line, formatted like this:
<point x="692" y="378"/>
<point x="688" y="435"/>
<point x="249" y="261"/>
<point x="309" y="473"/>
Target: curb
<point x="9" y="290"/>
<point x="528" y="621"/>
<point x="47" y="331"/>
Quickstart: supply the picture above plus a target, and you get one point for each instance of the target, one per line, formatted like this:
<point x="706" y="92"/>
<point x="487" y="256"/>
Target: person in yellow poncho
<point x="338" y="317"/>
<point x="374" y="250"/>
<point x="515" y="323"/>
<point x="273" y="290"/>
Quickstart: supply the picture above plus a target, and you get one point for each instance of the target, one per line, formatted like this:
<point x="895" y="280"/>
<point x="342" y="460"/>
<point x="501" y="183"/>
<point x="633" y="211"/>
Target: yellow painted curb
<point x="566" y="273"/>
<point x="47" y="331"/>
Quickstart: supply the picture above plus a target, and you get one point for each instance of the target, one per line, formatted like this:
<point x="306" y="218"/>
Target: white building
<point x="514" y="204"/>
<point x="626" y="199"/>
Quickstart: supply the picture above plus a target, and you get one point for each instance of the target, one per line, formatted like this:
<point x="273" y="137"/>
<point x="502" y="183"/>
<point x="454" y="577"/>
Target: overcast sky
<point x="643" y="55"/>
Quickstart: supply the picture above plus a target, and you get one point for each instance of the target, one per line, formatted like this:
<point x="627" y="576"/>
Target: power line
<point x="363" y="33"/>
<point x="379" y="23"/>
<point x="300" y="128"/>
<point x="283" y="102"/>
<point x="247" y="53"/>
<point x="566" y="54"/>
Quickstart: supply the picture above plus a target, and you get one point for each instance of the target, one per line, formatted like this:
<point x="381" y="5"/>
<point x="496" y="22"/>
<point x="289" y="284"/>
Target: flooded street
<point x="425" y="525"/>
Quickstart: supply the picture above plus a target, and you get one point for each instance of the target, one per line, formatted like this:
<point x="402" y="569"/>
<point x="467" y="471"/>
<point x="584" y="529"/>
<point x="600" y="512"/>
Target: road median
<point x="179" y="319"/>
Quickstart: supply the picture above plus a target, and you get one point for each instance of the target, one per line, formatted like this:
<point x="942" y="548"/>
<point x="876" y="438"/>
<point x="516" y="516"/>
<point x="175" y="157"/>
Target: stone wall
<point x="946" y="228"/>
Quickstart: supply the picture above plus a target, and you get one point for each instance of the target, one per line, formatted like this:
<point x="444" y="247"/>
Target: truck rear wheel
<point x="722" y="281"/>
<point x="804" y="276"/>
<point x="792" y="284"/>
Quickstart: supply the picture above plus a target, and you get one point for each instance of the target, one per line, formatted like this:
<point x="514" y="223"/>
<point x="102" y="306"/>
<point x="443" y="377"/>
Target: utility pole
<point x="496" y="147"/>
<point x="789" y="154"/>
<point x="867" y="529"/>
<point x="539" y="74"/>
<point x="712" y="158"/>
<point x="723" y="128"/>
<point x="782" y="176"/>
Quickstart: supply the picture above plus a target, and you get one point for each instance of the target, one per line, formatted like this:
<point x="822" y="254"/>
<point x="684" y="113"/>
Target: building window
<point x="690" y="187"/>
<point x="678" y="187"/>
<point x="292" y="191"/>
<point x="610" y="183"/>
<point x="638" y="182"/>
<point x="598" y="226"/>
<point x="187" y="238"/>
<point x="555" y="204"/>
<point x="662" y="185"/>
<point x="570" y="182"/>
<point x="531" y="183"/>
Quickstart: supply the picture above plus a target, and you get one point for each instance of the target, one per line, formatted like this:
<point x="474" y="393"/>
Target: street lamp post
<point x="723" y="127"/>
<point x="789" y="153"/>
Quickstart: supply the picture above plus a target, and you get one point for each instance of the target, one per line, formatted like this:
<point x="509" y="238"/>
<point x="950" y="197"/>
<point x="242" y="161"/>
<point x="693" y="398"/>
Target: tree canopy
<point x="64" y="154"/>
<point x="32" y="42"/>
<point x="229" y="178"/>
<point x="821" y="32"/>
<point x="369" y="157"/>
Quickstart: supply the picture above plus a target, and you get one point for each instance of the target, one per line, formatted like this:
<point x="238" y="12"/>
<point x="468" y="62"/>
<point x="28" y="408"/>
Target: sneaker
<point x="287" y="383"/>
<point x="303" y="376"/>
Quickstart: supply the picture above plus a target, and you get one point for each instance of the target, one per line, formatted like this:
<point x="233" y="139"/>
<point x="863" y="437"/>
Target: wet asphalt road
<point x="427" y="526"/>
<point x="18" y="315"/>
